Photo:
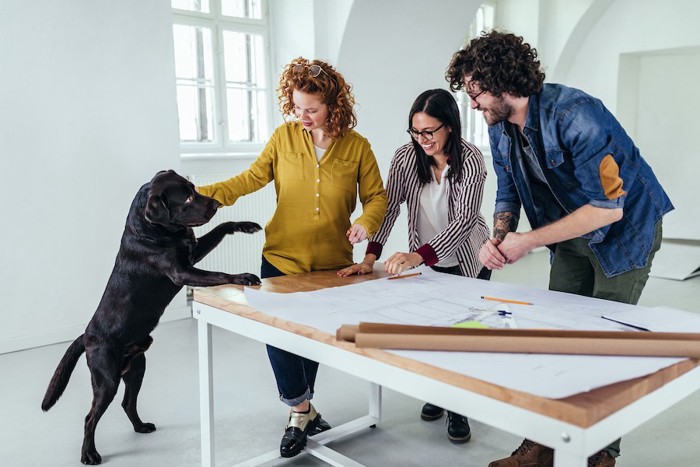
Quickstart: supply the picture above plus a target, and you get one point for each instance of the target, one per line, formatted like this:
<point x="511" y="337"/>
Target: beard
<point x="497" y="112"/>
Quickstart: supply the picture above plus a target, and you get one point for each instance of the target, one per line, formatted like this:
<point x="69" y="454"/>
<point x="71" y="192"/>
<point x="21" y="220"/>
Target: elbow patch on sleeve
<point x="610" y="178"/>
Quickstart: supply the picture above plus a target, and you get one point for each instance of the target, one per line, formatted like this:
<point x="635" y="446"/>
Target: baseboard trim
<point x="69" y="333"/>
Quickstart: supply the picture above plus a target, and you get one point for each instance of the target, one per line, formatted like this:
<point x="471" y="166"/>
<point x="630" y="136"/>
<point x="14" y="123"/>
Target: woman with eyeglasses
<point x="441" y="179"/>
<point x="319" y="166"/>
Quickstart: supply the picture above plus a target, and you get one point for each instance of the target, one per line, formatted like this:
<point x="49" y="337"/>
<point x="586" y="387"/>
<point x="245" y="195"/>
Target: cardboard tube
<point x="521" y="344"/>
<point x="347" y="332"/>
<point x="383" y="328"/>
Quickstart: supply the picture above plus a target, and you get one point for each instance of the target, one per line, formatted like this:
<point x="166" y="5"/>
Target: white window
<point x="221" y="73"/>
<point x="474" y="128"/>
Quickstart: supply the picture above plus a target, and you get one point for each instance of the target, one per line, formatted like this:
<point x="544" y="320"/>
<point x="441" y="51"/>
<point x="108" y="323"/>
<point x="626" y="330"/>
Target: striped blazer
<point x="466" y="231"/>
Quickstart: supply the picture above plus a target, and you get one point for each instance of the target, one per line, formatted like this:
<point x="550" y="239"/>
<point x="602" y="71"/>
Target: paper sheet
<point x="434" y="299"/>
<point x="657" y="319"/>
<point x="678" y="260"/>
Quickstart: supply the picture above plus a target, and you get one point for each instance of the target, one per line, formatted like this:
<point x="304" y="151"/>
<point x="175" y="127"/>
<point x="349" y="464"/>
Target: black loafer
<point x="298" y="428"/>
<point x="431" y="412"/>
<point x="321" y="426"/>
<point x="458" y="430"/>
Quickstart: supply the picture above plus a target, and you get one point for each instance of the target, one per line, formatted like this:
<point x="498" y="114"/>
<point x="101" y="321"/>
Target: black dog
<point x="156" y="258"/>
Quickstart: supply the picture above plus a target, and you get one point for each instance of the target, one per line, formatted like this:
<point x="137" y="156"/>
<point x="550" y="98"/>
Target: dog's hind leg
<point x="133" y="377"/>
<point x="104" y="369"/>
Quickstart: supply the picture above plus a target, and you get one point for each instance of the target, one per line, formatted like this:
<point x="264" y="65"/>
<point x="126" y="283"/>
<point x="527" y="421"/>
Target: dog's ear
<point x="156" y="210"/>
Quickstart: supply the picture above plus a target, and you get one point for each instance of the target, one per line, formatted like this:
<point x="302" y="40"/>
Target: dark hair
<point x="439" y="104"/>
<point x="499" y="62"/>
<point x="329" y="84"/>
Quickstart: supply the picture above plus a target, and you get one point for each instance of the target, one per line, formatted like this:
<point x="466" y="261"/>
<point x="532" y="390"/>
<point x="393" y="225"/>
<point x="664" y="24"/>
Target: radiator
<point x="239" y="252"/>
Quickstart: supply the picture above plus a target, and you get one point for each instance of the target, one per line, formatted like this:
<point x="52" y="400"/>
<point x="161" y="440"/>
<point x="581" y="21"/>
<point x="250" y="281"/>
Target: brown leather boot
<point x="601" y="459"/>
<point x="529" y="454"/>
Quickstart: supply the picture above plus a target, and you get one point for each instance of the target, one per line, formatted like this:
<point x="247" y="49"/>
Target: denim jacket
<point x="587" y="158"/>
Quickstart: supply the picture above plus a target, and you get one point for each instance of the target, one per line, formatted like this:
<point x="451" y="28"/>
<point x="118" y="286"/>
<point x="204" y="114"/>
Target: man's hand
<point x="490" y="256"/>
<point x="515" y="246"/>
<point x="356" y="233"/>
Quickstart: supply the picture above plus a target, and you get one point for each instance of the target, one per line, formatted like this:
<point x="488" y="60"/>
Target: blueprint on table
<point x="434" y="299"/>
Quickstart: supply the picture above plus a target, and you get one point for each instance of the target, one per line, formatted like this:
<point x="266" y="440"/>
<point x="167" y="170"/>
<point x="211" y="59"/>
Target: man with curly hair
<point x="563" y="158"/>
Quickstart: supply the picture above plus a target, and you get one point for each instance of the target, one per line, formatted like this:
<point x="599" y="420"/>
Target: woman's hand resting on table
<point x="365" y="267"/>
<point x="400" y="262"/>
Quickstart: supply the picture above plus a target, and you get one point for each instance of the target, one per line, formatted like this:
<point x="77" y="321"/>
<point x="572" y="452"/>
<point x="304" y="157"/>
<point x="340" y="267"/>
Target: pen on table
<point x="406" y="275"/>
<point x="507" y="317"/>
<point x="505" y="300"/>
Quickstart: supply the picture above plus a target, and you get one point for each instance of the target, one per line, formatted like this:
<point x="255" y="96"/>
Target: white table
<point x="575" y="427"/>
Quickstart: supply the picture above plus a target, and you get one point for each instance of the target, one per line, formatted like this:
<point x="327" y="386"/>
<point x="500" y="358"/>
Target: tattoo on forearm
<point x="504" y="222"/>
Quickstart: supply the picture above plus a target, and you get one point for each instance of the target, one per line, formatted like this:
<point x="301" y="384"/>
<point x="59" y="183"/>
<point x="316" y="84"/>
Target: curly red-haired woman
<point x="319" y="165"/>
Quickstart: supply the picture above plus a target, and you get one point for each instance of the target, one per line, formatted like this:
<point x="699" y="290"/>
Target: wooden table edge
<point x="582" y="410"/>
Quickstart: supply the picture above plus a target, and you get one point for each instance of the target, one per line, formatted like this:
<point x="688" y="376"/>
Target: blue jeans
<point x="295" y="375"/>
<point x="484" y="274"/>
<point x="575" y="269"/>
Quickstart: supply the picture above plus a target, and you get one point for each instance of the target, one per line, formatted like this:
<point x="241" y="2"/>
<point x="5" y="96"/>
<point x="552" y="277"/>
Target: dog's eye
<point x="190" y="199"/>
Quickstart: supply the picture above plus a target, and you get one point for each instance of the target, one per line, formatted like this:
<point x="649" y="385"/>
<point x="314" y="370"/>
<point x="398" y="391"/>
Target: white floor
<point x="250" y="420"/>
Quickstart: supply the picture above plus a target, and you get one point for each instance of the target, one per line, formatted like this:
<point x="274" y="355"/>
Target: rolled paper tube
<point x="383" y="328"/>
<point x="347" y="332"/>
<point x="520" y="344"/>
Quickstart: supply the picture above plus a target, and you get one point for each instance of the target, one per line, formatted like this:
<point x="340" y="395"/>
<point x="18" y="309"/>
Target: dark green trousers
<point x="575" y="269"/>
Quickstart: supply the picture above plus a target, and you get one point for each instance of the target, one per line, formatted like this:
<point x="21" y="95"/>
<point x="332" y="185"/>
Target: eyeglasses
<point x="474" y="96"/>
<point x="314" y="70"/>
<point x="427" y="135"/>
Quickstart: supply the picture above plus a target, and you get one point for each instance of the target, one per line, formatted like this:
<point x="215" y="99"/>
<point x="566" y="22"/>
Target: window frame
<point x="468" y="115"/>
<point x="219" y="23"/>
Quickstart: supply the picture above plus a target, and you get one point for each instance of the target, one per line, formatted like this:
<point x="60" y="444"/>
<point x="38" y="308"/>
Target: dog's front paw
<point x="246" y="279"/>
<point x="247" y="227"/>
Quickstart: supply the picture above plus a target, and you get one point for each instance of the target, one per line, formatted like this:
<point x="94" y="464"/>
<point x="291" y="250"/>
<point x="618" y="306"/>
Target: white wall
<point x="593" y="45"/>
<point x="391" y="52"/>
<point x="666" y="102"/>
<point x="87" y="115"/>
<point x="330" y="21"/>
<point x="521" y="17"/>
<point x="662" y="44"/>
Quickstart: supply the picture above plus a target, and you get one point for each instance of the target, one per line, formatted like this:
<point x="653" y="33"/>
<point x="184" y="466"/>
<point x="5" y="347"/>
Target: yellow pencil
<point x="505" y="300"/>
<point x="406" y="275"/>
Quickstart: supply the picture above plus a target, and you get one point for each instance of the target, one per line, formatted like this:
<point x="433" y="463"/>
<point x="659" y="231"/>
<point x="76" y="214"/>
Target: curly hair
<point x="334" y="91"/>
<point x="500" y="62"/>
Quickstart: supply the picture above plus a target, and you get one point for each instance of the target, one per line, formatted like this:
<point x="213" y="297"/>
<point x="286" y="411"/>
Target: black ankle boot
<point x="431" y="412"/>
<point x="458" y="430"/>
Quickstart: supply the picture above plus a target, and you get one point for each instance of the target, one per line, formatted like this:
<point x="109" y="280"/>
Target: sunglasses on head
<point x="314" y="70"/>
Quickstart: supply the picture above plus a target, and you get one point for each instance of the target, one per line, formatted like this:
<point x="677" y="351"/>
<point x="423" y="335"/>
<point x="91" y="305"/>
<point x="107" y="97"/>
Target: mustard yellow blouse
<point x="314" y="200"/>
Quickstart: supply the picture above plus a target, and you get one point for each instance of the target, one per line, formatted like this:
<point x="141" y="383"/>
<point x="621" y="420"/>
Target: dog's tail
<point x="60" y="378"/>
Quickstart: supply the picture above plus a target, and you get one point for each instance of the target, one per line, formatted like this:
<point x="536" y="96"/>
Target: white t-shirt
<point x="319" y="153"/>
<point x="432" y="214"/>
